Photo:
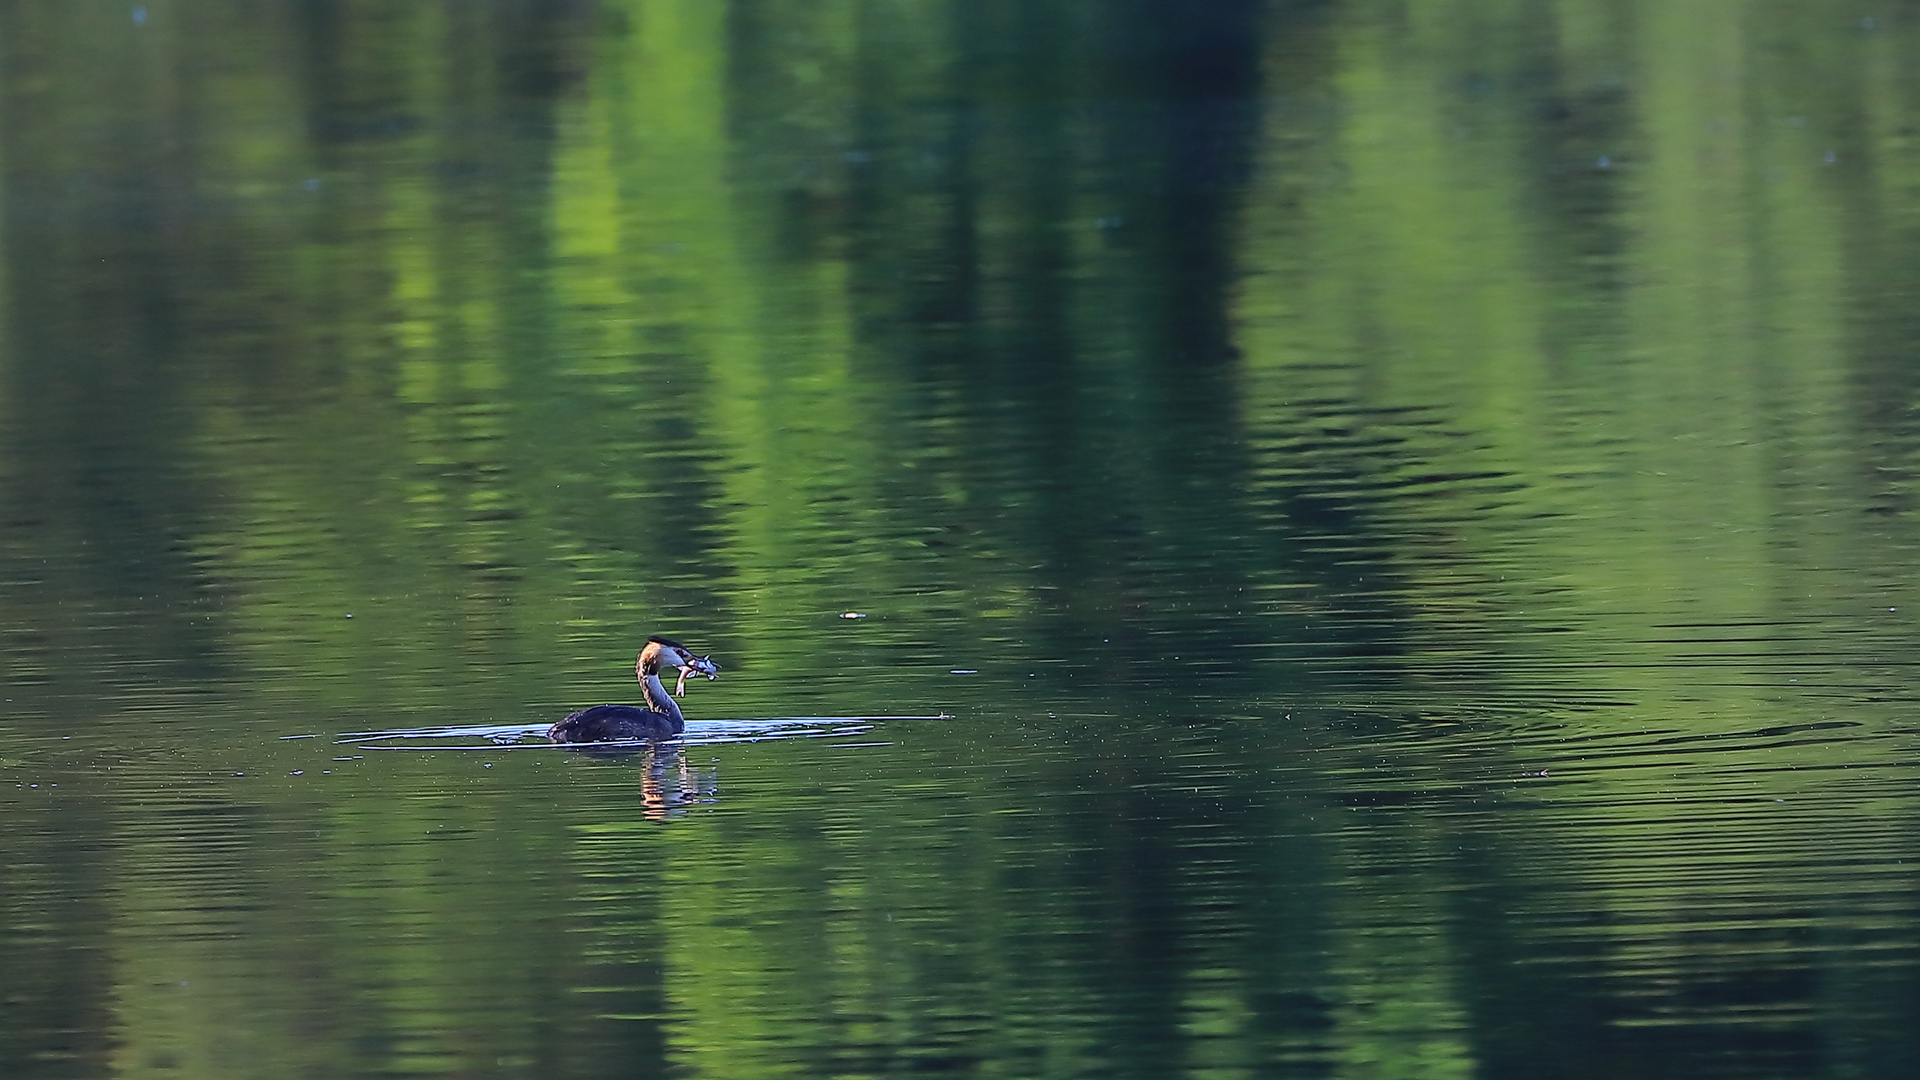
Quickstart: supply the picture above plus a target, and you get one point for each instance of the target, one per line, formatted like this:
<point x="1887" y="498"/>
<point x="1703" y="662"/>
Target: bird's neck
<point x="657" y="697"/>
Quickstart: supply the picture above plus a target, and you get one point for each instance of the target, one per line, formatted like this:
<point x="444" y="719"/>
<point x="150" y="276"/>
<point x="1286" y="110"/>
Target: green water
<point x="1246" y="539"/>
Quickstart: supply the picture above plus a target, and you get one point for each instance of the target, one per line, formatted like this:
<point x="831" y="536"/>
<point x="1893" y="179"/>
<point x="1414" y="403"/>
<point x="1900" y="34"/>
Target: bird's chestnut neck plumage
<point x="657" y="697"/>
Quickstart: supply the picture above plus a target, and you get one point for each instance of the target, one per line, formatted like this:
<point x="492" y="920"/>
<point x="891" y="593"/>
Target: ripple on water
<point x="533" y="737"/>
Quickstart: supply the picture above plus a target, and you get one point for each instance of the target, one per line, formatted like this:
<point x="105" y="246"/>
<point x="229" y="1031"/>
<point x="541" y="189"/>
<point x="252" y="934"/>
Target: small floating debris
<point x="964" y="671"/>
<point x="853" y="615"/>
<point x="284" y="738"/>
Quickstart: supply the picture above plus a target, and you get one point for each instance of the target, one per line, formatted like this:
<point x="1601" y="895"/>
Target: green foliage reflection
<point x="1389" y="465"/>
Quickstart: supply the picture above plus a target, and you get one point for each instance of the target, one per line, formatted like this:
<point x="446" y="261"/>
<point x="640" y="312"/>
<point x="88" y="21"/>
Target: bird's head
<point x="671" y="653"/>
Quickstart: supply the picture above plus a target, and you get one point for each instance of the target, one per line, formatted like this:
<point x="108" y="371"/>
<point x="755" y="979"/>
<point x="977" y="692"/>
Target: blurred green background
<point x="1405" y="512"/>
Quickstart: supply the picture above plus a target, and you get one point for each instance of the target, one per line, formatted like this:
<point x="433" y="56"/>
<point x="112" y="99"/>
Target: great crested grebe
<point x="659" y="718"/>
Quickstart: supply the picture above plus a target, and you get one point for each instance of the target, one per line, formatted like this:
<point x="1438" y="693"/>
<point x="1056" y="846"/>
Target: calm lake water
<point x="1246" y="539"/>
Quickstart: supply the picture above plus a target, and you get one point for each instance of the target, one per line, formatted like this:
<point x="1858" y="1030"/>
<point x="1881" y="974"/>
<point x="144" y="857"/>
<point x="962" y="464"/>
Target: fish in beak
<point x="695" y="665"/>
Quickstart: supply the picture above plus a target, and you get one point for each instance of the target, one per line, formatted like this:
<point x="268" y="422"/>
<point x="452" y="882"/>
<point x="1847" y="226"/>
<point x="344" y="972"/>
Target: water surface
<point x="1248" y="539"/>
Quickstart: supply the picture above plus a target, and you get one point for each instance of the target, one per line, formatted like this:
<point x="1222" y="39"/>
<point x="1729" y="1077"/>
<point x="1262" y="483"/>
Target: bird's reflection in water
<point x="668" y="784"/>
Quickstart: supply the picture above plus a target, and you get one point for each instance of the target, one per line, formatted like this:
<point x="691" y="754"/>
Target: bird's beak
<point x="703" y="665"/>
